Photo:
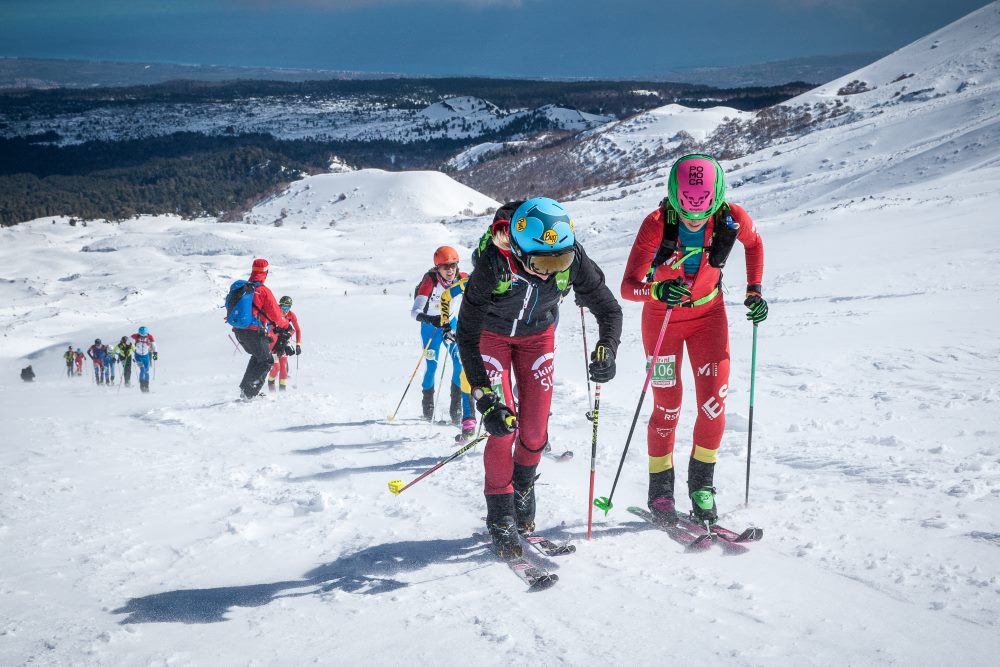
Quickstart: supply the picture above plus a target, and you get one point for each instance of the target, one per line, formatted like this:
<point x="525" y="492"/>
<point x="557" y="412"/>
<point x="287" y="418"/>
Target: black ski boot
<point x="428" y="404"/>
<point x="456" y="405"/>
<point x="500" y="523"/>
<point x="702" y="492"/>
<point x="661" y="496"/>
<point x="524" y="498"/>
<point x="144" y="386"/>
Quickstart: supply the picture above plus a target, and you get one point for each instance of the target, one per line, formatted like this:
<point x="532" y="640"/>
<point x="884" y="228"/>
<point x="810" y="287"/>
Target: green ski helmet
<point x="285" y="302"/>
<point x="697" y="187"/>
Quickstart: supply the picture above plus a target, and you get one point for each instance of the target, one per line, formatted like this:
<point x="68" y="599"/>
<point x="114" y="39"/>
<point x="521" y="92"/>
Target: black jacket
<point x="530" y="306"/>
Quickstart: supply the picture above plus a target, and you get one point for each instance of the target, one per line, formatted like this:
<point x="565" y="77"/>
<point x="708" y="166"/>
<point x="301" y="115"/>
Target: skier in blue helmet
<point x="524" y="266"/>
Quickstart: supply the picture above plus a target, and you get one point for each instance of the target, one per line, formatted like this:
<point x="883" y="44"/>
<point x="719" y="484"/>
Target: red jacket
<point x="265" y="306"/>
<point x="294" y="320"/>
<point x="647" y="242"/>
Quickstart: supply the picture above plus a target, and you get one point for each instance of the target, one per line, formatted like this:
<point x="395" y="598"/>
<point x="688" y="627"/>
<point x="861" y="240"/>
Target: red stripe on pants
<point x="530" y="358"/>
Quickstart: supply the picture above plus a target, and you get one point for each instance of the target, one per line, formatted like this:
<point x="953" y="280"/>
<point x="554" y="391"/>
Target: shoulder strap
<point x="668" y="242"/>
<point x="724" y="234"/>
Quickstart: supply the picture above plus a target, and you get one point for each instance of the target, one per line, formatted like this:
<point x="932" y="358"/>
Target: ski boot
<point x="455" y="410"/>
<point x="282" y="386"/>
<point x="500" y="523"/>
<point x="524" y="498"/>
<point x="428" y="404"/>
<point x="661" y="497"/>
<point x="144" y="386"/>
<point x="468" y="431"/>
<point x="702" y="491"/>
<point x="270" y="385"/>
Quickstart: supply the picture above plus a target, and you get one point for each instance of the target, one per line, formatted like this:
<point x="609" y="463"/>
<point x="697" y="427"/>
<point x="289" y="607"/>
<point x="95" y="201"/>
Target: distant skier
<point x="280" y="367"/>
<point x="675" y="265"/>
<point x="27" y="374"/>
<point x="110" y="361"/>
<point x="125" y="349"/>
<point x="262" y="314"/>
<point x="145" y="353"/>
<point x="96" y="354"/>
<point x="70" y="357"/>
<point x="426" y="309"/>
<point x="80" y="358"/>
<point x="525" y="267"/>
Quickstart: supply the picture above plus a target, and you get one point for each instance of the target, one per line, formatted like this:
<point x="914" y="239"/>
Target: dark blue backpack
<point x="239" y="304"/>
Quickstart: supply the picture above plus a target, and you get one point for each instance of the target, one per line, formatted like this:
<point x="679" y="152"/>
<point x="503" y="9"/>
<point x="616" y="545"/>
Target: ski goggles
<point x="453" y="266"/>
<point x="550" y="263"/>
<point x="285" y="309"/>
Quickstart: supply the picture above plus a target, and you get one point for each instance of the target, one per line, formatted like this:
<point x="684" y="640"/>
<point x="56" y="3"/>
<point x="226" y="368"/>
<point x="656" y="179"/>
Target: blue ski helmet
<point x="143" y="331"/>
<point x="541" y="228"/>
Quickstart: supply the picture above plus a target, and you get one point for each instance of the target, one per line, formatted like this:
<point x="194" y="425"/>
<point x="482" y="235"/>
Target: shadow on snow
<point x="370" y="571"/>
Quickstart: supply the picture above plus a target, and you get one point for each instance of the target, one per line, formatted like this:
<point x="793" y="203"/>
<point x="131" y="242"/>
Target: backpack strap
<point x="668" y="242"/>
<point x="723" y="237"/>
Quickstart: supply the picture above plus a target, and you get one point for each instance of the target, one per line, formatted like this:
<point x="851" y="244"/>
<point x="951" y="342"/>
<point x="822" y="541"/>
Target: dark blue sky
<point x="571" y="38"/>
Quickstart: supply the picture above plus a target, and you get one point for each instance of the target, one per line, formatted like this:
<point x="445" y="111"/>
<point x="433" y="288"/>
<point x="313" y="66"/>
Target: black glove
<point x="497" y="418"/>
<point x="156" y="355"/>
<point x="671" y="292"/>
<point x="431" y="319"/>
<point x="298" y="349"/>
<point x="756" y="305"/>
<point x="602" y="364"/>
<point x="289" y="351"/>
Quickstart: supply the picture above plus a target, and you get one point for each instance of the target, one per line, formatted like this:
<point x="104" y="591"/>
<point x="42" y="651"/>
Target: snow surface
<point x="183" y="527"/>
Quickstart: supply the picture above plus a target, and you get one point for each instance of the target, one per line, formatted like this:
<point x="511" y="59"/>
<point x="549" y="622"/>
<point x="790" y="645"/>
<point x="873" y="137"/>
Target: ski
<point x="690" y="541"/>
<point x="565" y="456"/>
<point x="537" y="578"/>
<point x="751" y="534"/>
<point x="546" y="546"/>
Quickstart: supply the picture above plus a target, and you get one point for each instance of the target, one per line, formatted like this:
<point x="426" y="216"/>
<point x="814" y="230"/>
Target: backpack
<point x="721" y="244"/>
<point x="239" y="304"/>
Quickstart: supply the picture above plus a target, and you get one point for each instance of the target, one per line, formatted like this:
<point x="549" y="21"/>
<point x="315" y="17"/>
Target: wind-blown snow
<point x="184" y="527"/>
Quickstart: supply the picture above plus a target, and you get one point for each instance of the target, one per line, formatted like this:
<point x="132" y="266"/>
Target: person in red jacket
<point x="675" y="268"/>
<point x="280" y="366"/>
<point x="267" y="315"/>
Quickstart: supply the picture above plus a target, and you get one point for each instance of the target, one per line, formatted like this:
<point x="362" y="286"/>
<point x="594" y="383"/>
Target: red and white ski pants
<point x="530" y="358"/>
<point x="704" y="330"/>
<point x="280" y="366"/>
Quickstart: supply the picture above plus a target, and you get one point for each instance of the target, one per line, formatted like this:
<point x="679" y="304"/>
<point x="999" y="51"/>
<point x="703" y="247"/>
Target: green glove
<point x="671" y="292"/>
<point x="756" y="305"/>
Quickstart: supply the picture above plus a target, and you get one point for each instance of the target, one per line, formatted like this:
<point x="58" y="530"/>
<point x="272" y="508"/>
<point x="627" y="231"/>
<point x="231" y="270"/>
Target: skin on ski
<point x="749" y="535"/>
<point x="540" y="543"/>
<point x="547" y="546"/>
<point x="691" y="542"/>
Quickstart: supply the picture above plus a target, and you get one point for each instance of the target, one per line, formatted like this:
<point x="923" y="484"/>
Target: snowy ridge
<point x="183" y="527"/>
<point x="342" y="119"/>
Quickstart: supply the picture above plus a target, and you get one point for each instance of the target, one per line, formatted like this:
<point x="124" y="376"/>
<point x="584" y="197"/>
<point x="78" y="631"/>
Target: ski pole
<point x="444" y="365"/>
<point x="753" y="371"/>
<point x="236" y="348"/>
<point x="593" y="457"/>
<point x="397" y="486"/>
<point x="604" y="503"/>
<point x="586" y="363"/>
<point x="413" y="375"/>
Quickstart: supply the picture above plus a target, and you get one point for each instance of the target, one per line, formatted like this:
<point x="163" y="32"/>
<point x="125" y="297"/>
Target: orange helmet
<point x="445" y="255"/>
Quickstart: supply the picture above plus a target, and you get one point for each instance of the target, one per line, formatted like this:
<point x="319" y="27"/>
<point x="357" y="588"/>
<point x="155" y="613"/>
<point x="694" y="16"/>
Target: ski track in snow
<point x="186" y="527"/>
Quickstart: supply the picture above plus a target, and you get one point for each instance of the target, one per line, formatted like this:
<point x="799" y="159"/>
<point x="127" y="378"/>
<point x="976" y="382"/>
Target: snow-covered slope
<point x="371" y="194"/>
<point x="184" y="527"/>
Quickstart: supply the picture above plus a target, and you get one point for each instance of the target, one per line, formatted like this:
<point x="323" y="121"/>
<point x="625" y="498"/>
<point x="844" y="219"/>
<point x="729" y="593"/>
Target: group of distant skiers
<point x="498" y="323"/>
<point x="139" y="348"/>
